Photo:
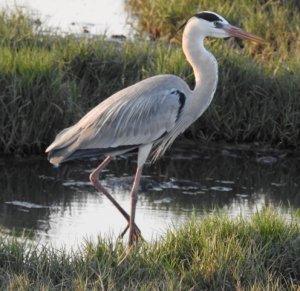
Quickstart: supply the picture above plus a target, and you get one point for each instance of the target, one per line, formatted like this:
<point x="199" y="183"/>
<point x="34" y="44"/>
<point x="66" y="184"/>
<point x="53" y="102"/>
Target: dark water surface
<point x="59" y="205"/>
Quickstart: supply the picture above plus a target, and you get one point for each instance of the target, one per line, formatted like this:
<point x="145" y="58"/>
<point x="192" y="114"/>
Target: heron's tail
<point x="63" y="145"/>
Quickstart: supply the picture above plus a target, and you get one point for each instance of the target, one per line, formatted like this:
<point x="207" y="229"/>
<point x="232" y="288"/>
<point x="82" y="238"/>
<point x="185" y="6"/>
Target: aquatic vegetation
<point x="218" y="253"/>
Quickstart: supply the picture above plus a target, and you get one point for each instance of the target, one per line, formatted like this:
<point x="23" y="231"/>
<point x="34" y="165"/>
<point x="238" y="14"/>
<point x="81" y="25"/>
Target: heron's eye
<point x="218" y="24"/>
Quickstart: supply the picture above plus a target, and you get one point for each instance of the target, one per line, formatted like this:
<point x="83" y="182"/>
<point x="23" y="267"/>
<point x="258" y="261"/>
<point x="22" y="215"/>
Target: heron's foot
<point x="136" y="234"/>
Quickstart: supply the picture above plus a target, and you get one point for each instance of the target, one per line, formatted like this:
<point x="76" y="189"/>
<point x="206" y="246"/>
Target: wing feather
<point x="139" y="114"/>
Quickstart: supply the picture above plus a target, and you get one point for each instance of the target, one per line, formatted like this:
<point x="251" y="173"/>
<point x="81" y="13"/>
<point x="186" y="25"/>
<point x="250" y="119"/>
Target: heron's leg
<point x="95" y="181"/>
<point x="143" y="154"/>
<point x="133" y="232"/>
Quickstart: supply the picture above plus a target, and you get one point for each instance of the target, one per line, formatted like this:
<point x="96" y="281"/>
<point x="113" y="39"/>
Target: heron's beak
<point x="237" y="32"/>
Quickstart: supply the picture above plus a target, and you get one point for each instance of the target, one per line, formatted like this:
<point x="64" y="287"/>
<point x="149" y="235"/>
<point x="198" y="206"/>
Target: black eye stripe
<point x="208" y="16"/>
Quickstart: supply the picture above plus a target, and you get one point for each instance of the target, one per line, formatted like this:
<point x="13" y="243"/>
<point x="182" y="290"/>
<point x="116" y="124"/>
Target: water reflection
<point x="59" y="205"/>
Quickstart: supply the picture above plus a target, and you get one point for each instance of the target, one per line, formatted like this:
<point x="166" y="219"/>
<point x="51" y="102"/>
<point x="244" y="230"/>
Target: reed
<point x="217" y="253"/>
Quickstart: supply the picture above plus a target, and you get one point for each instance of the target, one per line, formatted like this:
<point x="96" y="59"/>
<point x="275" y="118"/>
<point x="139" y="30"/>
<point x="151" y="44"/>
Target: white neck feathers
<point x="204" y="64"/>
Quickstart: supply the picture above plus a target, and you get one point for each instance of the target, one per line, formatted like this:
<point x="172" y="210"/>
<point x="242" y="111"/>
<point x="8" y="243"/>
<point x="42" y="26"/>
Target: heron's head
<point x="207" y="23"/>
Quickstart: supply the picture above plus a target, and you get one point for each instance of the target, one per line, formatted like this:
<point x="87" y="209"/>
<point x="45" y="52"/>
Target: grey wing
<point x="137" y="115"/>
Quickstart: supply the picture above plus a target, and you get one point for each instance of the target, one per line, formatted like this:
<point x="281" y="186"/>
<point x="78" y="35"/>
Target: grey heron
<point x="150" y="114"/>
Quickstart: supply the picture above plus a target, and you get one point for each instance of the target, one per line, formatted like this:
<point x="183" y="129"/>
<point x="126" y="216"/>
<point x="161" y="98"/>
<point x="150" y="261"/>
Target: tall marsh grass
<point x="218" y="253"/>
<point x="275" y="20"/>
<point x="48" y="81"/>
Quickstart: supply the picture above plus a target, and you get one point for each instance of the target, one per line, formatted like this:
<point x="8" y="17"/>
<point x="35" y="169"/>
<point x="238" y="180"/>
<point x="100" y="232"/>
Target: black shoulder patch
<point x="208" y="16"/>
<point x="181" y="100"/>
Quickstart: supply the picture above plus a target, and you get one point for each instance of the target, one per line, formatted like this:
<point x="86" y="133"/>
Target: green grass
<point x="262" y="253"/>
<point x="48" y="81"/>
<point x="275" y="20"/>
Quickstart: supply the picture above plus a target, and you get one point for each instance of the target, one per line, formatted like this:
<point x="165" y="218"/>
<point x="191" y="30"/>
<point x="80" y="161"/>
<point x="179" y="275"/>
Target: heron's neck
<point x="205" y="68"/>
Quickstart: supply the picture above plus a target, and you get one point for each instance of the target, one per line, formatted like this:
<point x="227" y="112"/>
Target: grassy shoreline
<point x="218" y="253"/>
<point x="48" y="82"/>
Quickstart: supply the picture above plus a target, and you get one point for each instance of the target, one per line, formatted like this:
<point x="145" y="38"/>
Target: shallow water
<point x="59" y="205"/>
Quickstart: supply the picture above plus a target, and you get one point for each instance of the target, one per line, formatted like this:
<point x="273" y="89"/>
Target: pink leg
<point x="133" y="199"/>
<point x="95" y="181"/>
